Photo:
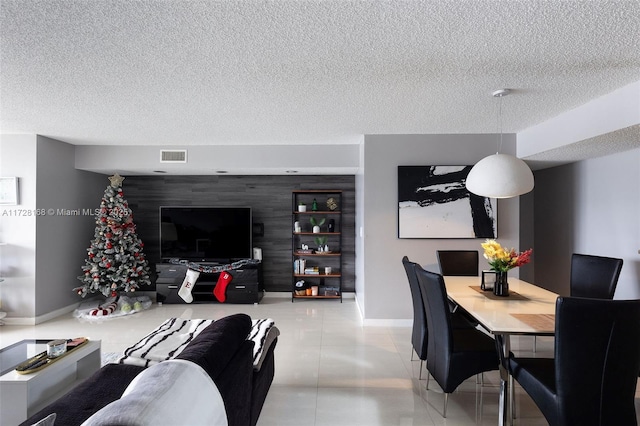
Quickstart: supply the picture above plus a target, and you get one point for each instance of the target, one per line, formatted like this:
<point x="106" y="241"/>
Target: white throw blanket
<point x="172" y="336"/>
<point x="263" y="332"/>
<point x="165" y="342"/>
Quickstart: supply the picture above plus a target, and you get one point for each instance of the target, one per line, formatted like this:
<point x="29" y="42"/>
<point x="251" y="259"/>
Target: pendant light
<point x="500" y="175"/>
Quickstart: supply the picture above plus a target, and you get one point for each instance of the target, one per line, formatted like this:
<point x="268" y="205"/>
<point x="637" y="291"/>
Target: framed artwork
<point x="433" y="202"/>
<point x="8" y="190"/>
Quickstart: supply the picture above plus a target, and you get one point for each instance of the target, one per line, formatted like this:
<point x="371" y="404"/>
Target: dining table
<point x="528" y="310"/>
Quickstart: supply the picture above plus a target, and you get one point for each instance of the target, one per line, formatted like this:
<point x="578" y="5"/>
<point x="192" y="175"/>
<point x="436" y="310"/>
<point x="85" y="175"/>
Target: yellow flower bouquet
<point x="501" y="259"/>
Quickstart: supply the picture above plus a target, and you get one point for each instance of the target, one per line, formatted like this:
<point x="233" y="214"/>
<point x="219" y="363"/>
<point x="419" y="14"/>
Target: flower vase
<point x="501" y="286"/>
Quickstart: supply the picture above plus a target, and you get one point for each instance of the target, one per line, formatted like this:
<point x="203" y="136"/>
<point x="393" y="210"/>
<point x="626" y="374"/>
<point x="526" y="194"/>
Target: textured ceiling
<point x="253" y="72"/>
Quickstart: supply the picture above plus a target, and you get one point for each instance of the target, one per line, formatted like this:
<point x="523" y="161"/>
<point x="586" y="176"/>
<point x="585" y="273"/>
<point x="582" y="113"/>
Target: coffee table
<point x="22" y="395"/>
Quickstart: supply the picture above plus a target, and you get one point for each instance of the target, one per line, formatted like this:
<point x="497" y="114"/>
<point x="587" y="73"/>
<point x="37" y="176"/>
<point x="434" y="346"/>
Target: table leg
<point x="503" y="344"/>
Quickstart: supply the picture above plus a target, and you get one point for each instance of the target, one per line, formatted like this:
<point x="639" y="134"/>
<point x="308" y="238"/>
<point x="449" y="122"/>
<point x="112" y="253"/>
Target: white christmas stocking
<point x="187" y="285"/>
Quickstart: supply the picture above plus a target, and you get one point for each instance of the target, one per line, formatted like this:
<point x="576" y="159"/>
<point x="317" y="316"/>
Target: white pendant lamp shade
<point x="500" y="176"/>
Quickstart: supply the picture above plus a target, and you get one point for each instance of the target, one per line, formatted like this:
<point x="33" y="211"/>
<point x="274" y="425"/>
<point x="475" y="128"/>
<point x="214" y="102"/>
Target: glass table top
<point x="13" y="355"/>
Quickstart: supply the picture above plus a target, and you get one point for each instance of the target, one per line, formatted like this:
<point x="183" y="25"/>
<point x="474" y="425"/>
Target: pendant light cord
<point x="500" y="94"/>
<point x="500" y="123"/>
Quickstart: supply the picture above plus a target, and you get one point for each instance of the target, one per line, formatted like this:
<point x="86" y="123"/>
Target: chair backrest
<point x="594" y="276"/>
<point x="440" y="345"/>
<point x="597" y="357"/>
<point x="458" y="262"/>
<point x="419" y="333"/>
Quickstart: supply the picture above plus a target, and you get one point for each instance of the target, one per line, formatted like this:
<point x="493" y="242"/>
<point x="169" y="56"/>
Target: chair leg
<point x="421" y="365"/>
<point x="427" y="386"/>
<point x="444" y="410"/>
<point x="512" y="399"/>
<point x="479" y="403"/>
<point x="412" y="354"/>
<point x="535" y="345"/>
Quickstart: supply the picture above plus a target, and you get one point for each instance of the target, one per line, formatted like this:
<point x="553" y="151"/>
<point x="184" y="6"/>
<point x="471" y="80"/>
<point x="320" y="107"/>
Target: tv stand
<point x="245" y="287"/>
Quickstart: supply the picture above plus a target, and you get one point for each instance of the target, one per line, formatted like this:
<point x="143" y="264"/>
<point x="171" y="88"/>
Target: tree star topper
<point x="116" y="180"/>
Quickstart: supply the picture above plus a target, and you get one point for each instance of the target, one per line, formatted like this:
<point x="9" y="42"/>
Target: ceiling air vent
<point x="173" y="156"/>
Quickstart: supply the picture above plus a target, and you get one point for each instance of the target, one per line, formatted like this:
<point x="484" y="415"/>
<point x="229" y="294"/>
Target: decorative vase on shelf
<point x="316" y="224"/>
<point x="302" y="207"/>
<point x="314" y="205"/>
<point x="501" y="286"/>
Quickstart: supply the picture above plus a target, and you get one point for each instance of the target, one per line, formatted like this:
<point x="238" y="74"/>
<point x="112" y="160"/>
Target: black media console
<point x="245" y="287"/>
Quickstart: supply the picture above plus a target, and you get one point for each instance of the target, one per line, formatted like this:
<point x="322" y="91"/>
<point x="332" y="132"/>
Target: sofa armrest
<point x="103" y="387"/>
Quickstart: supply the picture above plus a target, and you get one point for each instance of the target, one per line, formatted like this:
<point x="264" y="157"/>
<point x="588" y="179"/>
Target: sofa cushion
<point x="216" y="345"/>
<point x="174" y="392"/>
<point x="235" y="383"/>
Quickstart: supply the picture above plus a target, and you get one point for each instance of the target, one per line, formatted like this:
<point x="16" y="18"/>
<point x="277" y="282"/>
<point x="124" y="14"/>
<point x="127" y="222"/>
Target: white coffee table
<point x="22" y="395"/>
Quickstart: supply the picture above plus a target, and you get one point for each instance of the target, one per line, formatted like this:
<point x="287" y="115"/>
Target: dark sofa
<point x="221" y="349"/>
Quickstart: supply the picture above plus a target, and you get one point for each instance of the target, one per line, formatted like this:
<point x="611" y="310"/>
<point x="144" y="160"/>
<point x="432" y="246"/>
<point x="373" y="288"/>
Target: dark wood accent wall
<point x="270" y="199"/>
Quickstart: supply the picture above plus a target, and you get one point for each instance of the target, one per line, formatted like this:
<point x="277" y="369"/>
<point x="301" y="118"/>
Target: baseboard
<point x="387" y="322"/>
<point x="287" y="294"/>
<point x="41" y="318"/>
<point x="65" y="310"/>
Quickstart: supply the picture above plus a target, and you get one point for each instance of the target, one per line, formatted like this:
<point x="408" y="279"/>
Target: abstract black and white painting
<point x="433" y="202"/>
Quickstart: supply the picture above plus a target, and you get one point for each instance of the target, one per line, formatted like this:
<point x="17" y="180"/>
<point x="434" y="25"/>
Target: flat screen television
<point x="206" y="234"/>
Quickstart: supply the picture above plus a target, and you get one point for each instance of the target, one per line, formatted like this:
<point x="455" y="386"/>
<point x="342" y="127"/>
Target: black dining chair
<point x="419" y="330"/>
<point x="453" y="354"/>
<point x="594" y="276"/>
<point x="463" y="263"/>
<point x="592" y="379"/>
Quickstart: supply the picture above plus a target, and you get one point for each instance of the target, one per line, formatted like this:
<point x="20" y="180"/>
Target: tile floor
<point x="330" y="370"/>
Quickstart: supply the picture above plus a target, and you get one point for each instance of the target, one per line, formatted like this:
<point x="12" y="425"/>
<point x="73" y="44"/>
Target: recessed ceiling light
<point x="222" y="171"/>
<point x="291" y="171"/>
<point x="159" y="171"/>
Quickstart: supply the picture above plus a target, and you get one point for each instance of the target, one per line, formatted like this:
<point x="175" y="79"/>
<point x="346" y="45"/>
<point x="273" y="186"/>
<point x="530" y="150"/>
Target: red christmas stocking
<point x="220" y="290"/>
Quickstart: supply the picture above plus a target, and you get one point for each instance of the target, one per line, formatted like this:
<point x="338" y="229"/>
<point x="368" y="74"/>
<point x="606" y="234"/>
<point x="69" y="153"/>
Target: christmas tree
<point x="115" y="259"/>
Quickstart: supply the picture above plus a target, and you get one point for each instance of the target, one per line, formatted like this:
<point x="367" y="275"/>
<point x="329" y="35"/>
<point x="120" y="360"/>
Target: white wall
<point x="235" y="159"/>
<point x="387" y="298"/>
<point x="610" y="113"/>
<point x="18" y="227"/>
<point x="360" y="247"/>
<point x="590" y="207"/>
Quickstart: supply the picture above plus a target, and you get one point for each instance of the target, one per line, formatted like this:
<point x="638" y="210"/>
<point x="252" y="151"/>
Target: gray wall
<point x="62" y="239"/>
<point x="590" y="207"/>
<point x="270" y="199"/>
<point x="44" y="251"/>
<point x="387" y="295"/>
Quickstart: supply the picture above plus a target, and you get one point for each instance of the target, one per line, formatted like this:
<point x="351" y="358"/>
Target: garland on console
<point x="214" y="269"/>
<point x="194" y="270"/>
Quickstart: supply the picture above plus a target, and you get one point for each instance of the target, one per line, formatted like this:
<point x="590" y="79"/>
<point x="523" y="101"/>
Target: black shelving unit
<point x="310" y="264"/>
